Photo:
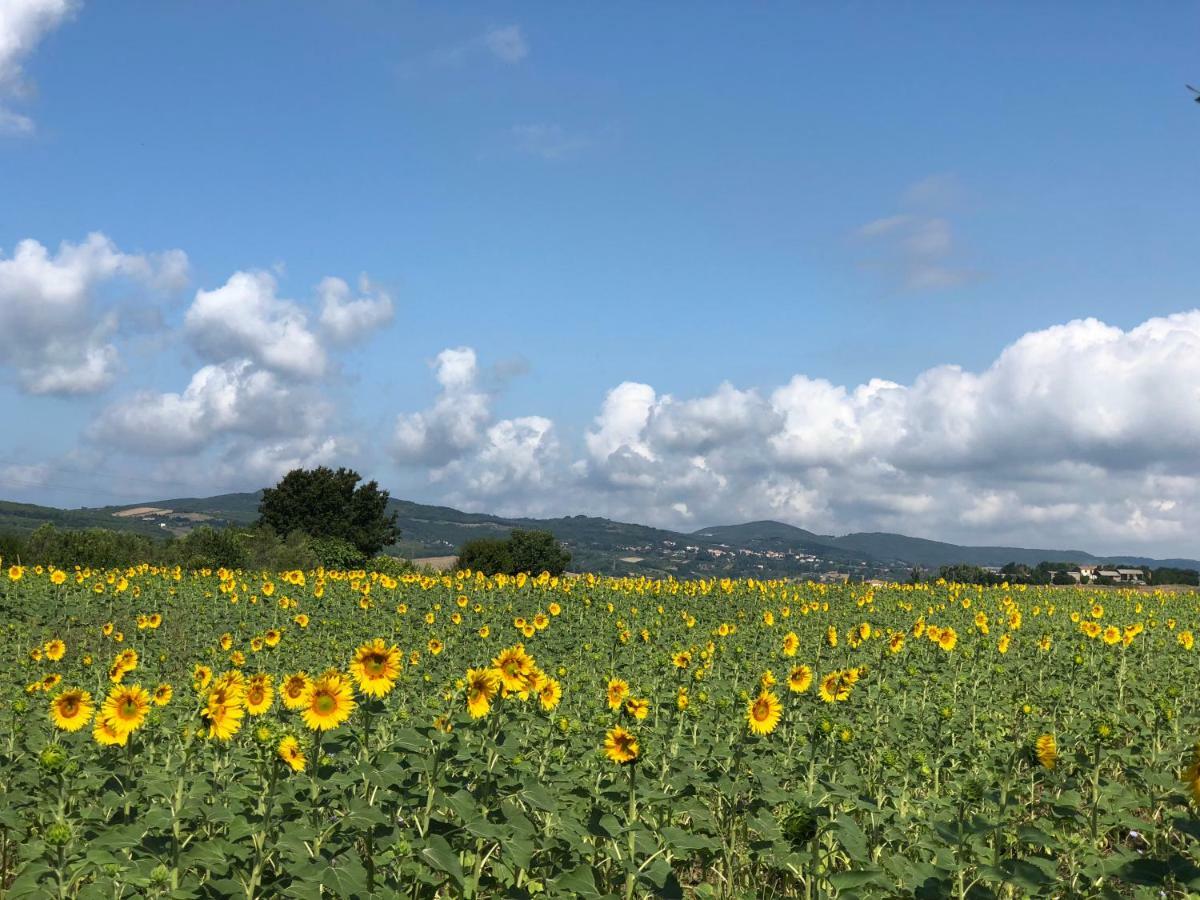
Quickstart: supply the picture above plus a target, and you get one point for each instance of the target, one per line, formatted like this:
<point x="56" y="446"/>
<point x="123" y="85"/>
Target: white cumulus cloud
<point x="23" y="24"/>
<point x="347" y="318"/>
<point x="245" y="318"/>
<point x="1079" y="435"/>
<point x="56" y="332"/>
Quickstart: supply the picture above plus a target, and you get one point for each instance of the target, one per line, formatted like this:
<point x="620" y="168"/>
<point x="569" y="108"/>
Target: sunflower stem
<point x="631" y="820"/>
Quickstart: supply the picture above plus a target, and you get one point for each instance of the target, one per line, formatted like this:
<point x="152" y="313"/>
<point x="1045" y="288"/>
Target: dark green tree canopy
<point x="524" y="551"/>
<point x="325" y="503"/>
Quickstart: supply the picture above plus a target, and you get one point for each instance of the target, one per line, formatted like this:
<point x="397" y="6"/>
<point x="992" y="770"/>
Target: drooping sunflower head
<point x="290" y="752"/>
<point x="1046" y="750"/>
<point x="201" y="676"/>
<point x="224" y="711"/>
<point x="292" y="690"/>
<point x="621" y="746"/>
<point x="105" y="733"/>
<point x="375" y="667"/>
<point x="71" y="710"/>
<point x="800" y="679"/>
<point x="638" y="707"/>
<point x="549" y="694"/>
<point x="482" y="686"/>
<point x="791" y="643"/>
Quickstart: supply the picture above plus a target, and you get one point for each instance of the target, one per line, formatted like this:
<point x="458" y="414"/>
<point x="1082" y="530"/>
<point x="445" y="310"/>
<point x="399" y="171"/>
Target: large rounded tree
<point x="325" y="503"/>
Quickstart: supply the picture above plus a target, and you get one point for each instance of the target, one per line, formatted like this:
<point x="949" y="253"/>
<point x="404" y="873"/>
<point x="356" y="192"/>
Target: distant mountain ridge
<point x="764" y="548"/>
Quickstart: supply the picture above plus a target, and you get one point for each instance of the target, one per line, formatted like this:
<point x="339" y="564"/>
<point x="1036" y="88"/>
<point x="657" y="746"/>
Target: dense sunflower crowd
<point x="216" y="733"/>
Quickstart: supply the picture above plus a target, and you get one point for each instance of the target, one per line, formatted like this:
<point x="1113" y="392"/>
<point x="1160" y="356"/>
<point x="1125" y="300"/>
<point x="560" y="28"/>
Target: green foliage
<point x="1168" y="575"/>
<point x="94" y="547"/>
<point x="392" y="566"/>
<point x="335" y="553"/>
<point x="536" y="552"/>
<point x="488" y="555"/>
<point x="208" y="548"/>
<point x="325" y="503"/>
<point x="533" y="552"/>
<point x="925" y="781"/>
<point x="966" y="574"/>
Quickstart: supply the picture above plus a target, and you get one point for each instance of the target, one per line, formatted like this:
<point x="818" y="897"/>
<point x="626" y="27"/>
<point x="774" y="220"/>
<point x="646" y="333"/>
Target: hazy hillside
<point x="762" y="549"/>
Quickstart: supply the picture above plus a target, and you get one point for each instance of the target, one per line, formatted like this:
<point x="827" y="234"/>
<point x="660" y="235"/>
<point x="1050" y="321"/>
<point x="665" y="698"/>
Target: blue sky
<point x="593" y="197"/>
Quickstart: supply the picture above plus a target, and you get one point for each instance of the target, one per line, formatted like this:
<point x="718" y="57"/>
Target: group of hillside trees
<point x="522" y="551"/>
<point x="1050" y="572"/>
<point x="312" y="517"/>
<point x="317" y="517"/>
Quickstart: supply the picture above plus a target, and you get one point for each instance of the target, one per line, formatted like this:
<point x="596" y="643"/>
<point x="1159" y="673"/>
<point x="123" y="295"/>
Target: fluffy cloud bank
<point x="1080" y="432"/>
<point x="56" y="329"/>
<point x="260" y="406"/>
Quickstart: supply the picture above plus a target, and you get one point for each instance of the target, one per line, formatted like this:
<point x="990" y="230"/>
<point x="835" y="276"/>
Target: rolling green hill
<point x="762" y="549"/>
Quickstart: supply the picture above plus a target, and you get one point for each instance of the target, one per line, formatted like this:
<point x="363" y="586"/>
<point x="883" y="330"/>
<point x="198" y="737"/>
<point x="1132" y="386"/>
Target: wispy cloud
<point x="505" y="44"/>
<point x="548" y="141"/>
<point x="919" y="247"/>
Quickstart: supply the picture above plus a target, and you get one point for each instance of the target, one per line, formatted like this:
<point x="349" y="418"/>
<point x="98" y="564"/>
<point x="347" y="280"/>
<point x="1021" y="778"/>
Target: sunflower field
<point x="169" y="733"/>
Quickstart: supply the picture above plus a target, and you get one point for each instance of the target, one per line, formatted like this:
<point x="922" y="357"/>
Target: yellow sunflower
<point x="292" y="690"/>
<point x="290" y="752"/>
<point x="549" y="694"/>
<point x="513" y="663"/>
<point x="638" y="707"/>
<point x="763" y="712"/>
<point x="618" y="690"/>
<point x="800" y="679"/>
<point x="71" y="709"/>
<point x="224" y="712"/>
<point x="791" y="643"/>
<point x="328" y="702"/>
<point x="163" y="694"/>
<point x="375" y="667"/>
<point x="55" y="650"/>
<point x="259" y="694"/>
<point x="201" y="676"/>
<point x="482" y="687"/>
<point x="126" y="708"/>
<point x="1046" y="750"/>
<point x="621" y="746"/>
<point x="834" y="687"/>
<point x="105" y="733"/>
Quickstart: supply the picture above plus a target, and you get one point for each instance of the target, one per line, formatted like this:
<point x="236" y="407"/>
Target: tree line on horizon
<point x="311" y="517"/>
<point x="1050" y="572"/>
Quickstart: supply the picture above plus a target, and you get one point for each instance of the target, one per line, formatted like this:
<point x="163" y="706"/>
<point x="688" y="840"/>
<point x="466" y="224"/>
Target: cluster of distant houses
<point x="1101" y="575"/>
<point x="1089" y="574"/>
